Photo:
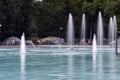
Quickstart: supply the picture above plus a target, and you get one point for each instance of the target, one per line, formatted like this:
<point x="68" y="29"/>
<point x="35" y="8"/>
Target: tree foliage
<point x="41" y="19"/>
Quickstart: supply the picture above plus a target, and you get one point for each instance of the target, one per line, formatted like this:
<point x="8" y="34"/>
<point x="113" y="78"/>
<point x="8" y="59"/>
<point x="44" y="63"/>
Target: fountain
<point x="94" y="47"/>
<point x="49" y="62"/>
<point x="115" y="23"/>
<point x="70" y="32"/>
<point x="83" y="28"/>
<point x="100" y="30"/>
<point x="22" y="46"/>
<point x="94" y="50"/>
<point x="111" y="31"/>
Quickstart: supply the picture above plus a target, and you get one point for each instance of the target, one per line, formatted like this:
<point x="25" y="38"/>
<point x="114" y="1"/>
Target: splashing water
<point x="111" y="31"/>
<point x="115" y="25"/>
<point x="83" y="28"/>
<point x="100" y="30"/>
<point x="94" y="47"/>
<point x="70" y="32"/>
<point x="22" y="46"/>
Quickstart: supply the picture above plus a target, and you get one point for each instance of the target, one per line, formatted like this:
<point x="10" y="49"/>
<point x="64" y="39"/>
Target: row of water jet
<point x="112" y="30"/>
<point x="70" y="32"/>
<point x="83" y="30"/>
<point x="100" y="30"/>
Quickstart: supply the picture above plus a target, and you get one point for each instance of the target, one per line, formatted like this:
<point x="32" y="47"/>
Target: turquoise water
<point x="59" y="64"/>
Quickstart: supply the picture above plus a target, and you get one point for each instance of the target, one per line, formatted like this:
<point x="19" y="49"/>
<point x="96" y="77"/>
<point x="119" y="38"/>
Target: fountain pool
<point x="52" y="63"/>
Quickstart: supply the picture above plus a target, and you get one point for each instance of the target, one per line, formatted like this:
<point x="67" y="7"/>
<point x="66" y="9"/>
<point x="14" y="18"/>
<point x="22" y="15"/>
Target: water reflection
<point x="94" y="55"/>
<point x="112" y="66"/>
<point x="100" y="66"/>
<point x="70" y="67"/>
<point x="22" y="61"/>
<point x="95" y="66"/>
<point x="83" y="65"/>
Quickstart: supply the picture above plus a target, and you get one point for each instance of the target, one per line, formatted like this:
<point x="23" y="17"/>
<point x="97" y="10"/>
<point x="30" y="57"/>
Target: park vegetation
<point x="38" y="19"/>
